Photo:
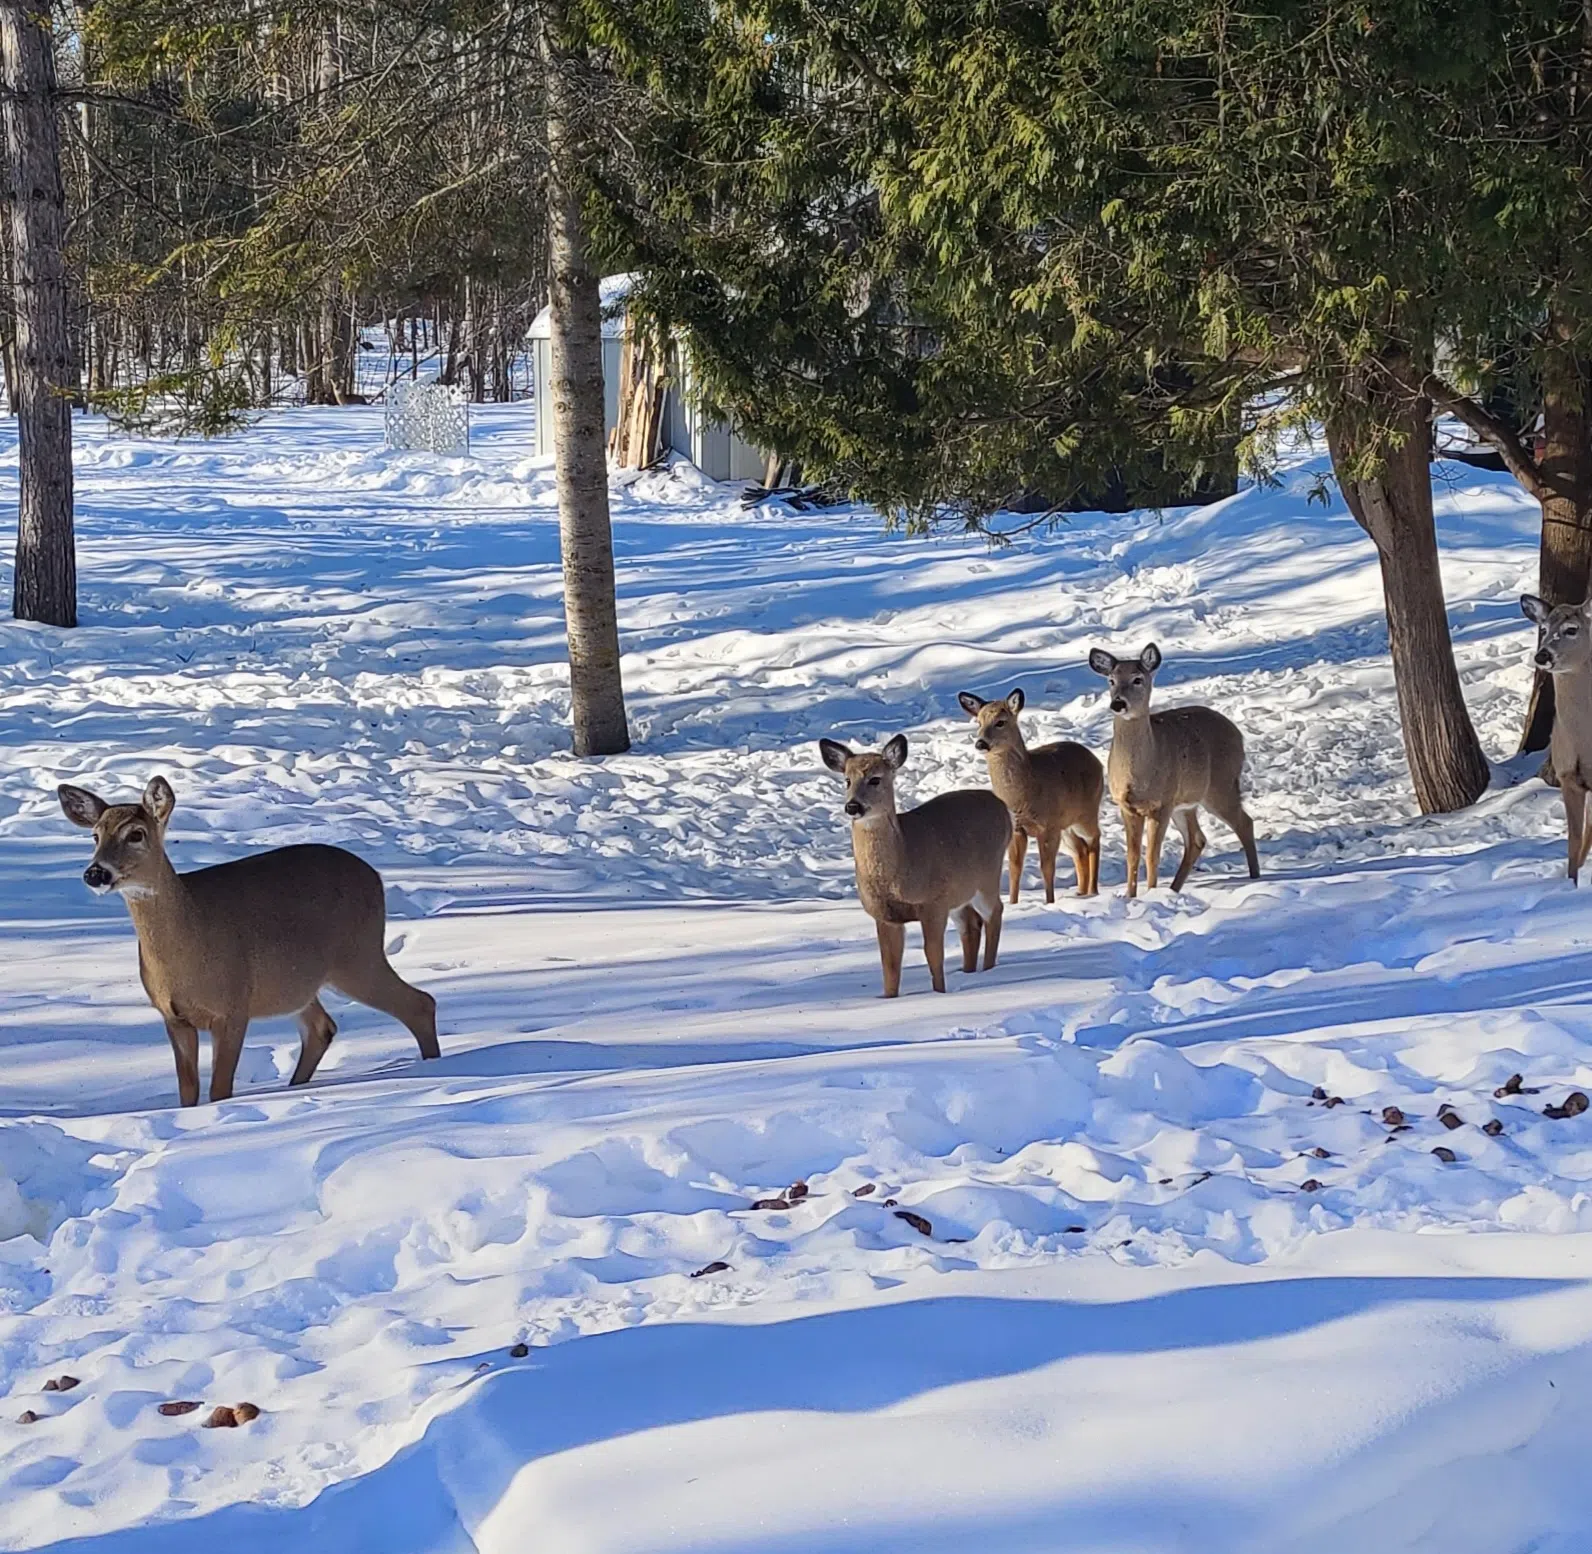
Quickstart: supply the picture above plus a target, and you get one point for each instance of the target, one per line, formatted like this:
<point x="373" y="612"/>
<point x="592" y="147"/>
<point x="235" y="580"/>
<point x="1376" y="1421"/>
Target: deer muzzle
<point x="98" y="878"/>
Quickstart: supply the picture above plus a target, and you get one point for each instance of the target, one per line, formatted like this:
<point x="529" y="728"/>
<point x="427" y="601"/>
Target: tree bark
<point x="1564" y="565"/>
<point x="45" y="585"/>
<point x="597" y="703"/>
<point x="1394" y="507"/>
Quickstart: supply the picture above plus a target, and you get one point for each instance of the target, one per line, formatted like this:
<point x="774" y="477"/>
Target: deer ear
<point x="159" y="800"/>
<point x="970" y="703"/>
<point x="1101" y="661"/>
<point x="1534" y="609"/>
<point x="1016" y="701"/>
<point x="835" y="754"/>
<point x="81" y="807"/>
<point x="1150" y="659"/>
<point x="896" y="751"/>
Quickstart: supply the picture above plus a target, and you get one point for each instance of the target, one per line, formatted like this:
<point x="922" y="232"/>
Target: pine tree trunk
<point x="1564" y="565"/>
<point x="597" y="704"/>
<point x="46" y="567"/>
<point x="1394" y="507"/>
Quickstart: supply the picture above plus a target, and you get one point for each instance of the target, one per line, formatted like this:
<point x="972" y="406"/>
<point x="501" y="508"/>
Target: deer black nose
<point x="853" y="807"/>
<point x="1543" y="660"/>
<point x="97" y="877"/>
<point x="1118" y="705"/>
<point x="981" y="744"/>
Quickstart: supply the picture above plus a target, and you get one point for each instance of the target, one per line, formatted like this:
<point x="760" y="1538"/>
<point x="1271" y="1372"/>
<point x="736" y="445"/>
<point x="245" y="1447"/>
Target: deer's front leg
<point x="892" y="946"/>
<point x="1133" y="825"/>
<point x="226" y="1047"/>
<point x="1155" y="836"/>
<point x="1574" y="796"/>
<point x="185" y="1048"/>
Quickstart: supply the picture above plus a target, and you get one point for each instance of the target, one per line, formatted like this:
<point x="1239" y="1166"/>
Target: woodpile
<point x="636" y="441"/>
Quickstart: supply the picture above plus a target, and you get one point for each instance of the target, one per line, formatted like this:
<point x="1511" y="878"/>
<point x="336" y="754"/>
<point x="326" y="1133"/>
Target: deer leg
<point x="1231" y="812"/>
<point x="892" y="946"/>
<point x="380" y="987"/>
<point x="1574" y="796"/>
<point x="934" y="947"/>
<point x="1094" y="864"/>
<point x="1154" y="838"/>
<point x="1133" y="824"/>
<point x="1015" y="853"/>
<point x="1049" y="845"/>
<point x="316" y="1029"/>
<point x="1188" y="822"/>
<point x="971" y="926"/>
<point x="990" y="909"/>
<point x="226" y="1047"/>
<point x="185" y="1048"/>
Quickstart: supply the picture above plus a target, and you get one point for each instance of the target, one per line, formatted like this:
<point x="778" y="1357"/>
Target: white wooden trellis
<point x="427" y="417"/>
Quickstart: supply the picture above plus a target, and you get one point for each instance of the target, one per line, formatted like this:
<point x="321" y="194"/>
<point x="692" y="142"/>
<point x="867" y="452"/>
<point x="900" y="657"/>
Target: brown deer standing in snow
<point x="1164" y="765"/>
<point x="1564" y="649"/>
<point x="1053" y="792"/>
<point x="245" y="940"/>
<point x="923" y="865"/>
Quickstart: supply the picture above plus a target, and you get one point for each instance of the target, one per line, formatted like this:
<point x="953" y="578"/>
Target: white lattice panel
<point x="428" y="417"/>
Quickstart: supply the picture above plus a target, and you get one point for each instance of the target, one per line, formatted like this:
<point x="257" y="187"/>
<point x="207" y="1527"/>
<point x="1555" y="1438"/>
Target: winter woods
<point x="954" y="259"/>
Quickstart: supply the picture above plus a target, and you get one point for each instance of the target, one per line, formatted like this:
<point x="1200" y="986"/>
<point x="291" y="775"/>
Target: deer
<point x="245" y="940"/>
<point x="1564" y="650"/>
<point x="923" y="865"/>
<point x="1053" y="793"/>
<point x="1165" y="765"/>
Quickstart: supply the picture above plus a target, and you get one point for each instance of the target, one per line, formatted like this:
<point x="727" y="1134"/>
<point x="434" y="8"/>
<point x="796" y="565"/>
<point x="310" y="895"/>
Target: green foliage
<point x="960" y="249"/>
<point x="201" y="402"/>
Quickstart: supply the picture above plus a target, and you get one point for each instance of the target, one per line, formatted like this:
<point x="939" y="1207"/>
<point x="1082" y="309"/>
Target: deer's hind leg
<point x="378" y="986"/>
<point x="987" y="903"/>
<point x="971" y="927"/>
<point x="316" y="1029"/>
<point x="1229" y="808"/>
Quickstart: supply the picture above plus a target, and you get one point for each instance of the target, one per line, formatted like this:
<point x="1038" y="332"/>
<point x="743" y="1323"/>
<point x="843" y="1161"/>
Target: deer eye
<point x="1138" y="679"/>
<point x="136" y="835"/>
<point x="1570" y="631"/>
<point x="873" y="782"/>
<point x="1000" y="723"/>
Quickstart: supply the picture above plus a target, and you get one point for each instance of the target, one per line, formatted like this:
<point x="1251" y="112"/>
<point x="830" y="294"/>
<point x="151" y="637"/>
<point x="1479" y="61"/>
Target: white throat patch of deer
<point x="245" y="940"/>
<point x="1165" y="766"/>
<point x="1564" y="650"/>
<point x="922" y="865"/>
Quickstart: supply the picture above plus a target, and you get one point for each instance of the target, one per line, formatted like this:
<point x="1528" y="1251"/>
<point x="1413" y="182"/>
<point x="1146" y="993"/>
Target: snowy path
<point x="1130" y="1326"/>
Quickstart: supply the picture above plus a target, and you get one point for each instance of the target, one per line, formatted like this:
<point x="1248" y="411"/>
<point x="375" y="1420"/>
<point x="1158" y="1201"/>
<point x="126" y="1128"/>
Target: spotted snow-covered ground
<point x="1181" y="1287"/>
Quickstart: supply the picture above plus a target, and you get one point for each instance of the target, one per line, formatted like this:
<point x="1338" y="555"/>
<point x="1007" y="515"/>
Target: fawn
<point x="1164" y="765"/>
<point x="1563" y="650"/>
<point x="245" y="940"/>
<point x="1053" y="792"/>
<point x="923" y="865"/>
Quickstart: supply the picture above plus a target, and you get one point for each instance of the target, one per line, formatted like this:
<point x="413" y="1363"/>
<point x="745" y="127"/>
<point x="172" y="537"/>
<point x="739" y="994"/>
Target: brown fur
<point x="1564" y="650"/>
<point x="1053" y="792"/>
<point x="246" y="940"/>
<point x="923" y="865"/>
<point x="1164" y="765"/>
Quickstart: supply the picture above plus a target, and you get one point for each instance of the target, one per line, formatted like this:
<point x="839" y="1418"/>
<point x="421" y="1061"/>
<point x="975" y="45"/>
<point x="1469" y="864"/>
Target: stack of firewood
<point x="636" y="441"/>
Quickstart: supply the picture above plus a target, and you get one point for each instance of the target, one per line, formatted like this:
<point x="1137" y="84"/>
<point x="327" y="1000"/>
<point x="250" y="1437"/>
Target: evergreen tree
<point x="918" y="244"/>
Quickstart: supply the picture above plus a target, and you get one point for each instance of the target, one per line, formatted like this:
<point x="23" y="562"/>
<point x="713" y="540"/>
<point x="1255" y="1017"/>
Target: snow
<point x="1129" y="1326"/>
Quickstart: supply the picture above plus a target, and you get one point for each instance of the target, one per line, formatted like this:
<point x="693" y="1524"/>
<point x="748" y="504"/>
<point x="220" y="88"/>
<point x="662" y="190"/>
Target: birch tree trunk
<point x="597" y="702"/>
<point x="45" y="586"/>
<point x="1394" y="507"/>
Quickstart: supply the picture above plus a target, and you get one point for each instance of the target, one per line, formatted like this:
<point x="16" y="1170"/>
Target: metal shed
<point x="711" y="444"/>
